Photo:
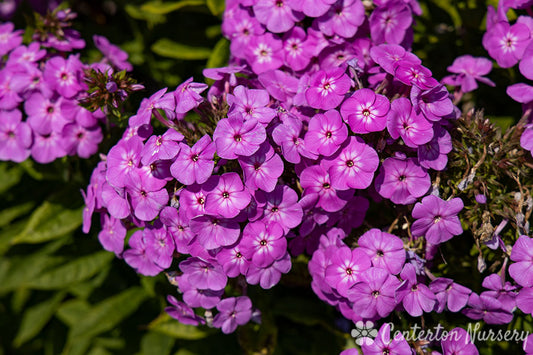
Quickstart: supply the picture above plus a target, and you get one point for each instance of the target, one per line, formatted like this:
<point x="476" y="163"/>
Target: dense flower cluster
<point x="331" y="112"/>
<point x="42" y="85"/>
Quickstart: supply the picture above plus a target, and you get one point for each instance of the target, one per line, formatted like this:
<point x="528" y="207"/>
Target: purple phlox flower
<point x="528" y="345"/>
<point x="313" y="215"/>
<point x="487" y="308"/>
<point x="468" y="71"/>
<point x="434" y="103"/>
<point x="228" y="198"/>
<point x="311" y="8"/>
<point x="192" y="198"/>
<point x="287" y="136"/>
<point x="343" y="18"/>
<point x="333" y="57"/>
<point x="46" y="149"/>
<point x="458" y="341"/>
<point x="449" y="294"/>
<point x="240" y="30"/>
<point x="62" y="75"/>
<point x="402" y="180"/>
<point x="214" y="232"/>
<point x="112" y="234"/>
<point x="85" y="118"/>
<point x="269" y="276"/>
<point x="316" y="180"/>
<point x="526" y="139"/>
<point x="326" y="133"/>
<point x="403" y="121"/>
<point x="384" y="344"/>
<point x="345" y="268"/>
<point x="183" y="313"/>
<point x="385" y="250"/>
<point x="526" y="62"/>
<point x="250" y="104"/>
<point x="263" y="243"/>
<point x="504" y="292"/>
<point x="280" y="206"/>
<point x="351" y="216"/>
<point x="203" y="274"/>
<point x="276" y="15"/>
<point x="279" y="84"/>
<point x="333" y="237"/>
<point x="298" y="48"/>
<point x="194" y="296"/>
<point x="123" y="159"/>
<point x="187" y="95"/>
<point x="44" y="114"/>
<point x="317" y="268"/>
<point x="353" y="165"/>
<point x="13" y="81"/>
<point x="522" y="255"/>
<point x="160" y="100"/>
<point x="390" y="22"/>
<point x="365" y="111"/>
<point x="262" y="170"/>
<point x="163" y="147"/>
<point x="506" y="43"/>
<point x="148" y="196"/>
<point x="496" y="241"/>
<point x="437" y="219"/>
<point x="233" y="311"/>
<point x="8" y="8"/>
<point x="81" y="141"/>
<point x="137" y="258"/>
<point x="26" y="55"/>
<point x="388" y="56"/>
<point x="264" y="53"/>
<point x="112" y="53"/>
<point x="433" y="155"/>
<point x="194" y="164"/>
<point x="235" y="136"/>
<point x="327" y="88"/>
<point x="416" y="75"/>
<point x="415" y="296"/>
<point x="178" y="227"/>
<point x="373" y="295"/>
<point x="522" y="93"/>
<point x="233" y="260"/>
<point x="224" y="73"/>
<point x="159" y="244"/>
<point x="15" y="137"/>
<point x="524" y="300"/>
<point x="9" y="39"/>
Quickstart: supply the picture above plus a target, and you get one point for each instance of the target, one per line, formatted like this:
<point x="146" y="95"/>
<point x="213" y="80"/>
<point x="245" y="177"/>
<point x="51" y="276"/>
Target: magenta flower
<point x="148" y="196"/>
<point x="522" y="255"/>
<point x="250" y="104"/>
<point x="81" y="141"/>
<point x="411" y="74"/>
<point x="437" y="219"/>
<point x="228" y="198"/>
<point x="159" y="100"/>
<point x="204" y="274"/>
<point x="233" y="260"/>
<point x="343" y="18"/>
<point x="112" y="234"/>
<point x="233" y="311"/>
<point x="298" y="48"/>
<point x="268" y="277"/>
<point x="163" y="147"/>
<point x="9" y="39"/>
<point x="279" y="84"/>
<point x="213" y="232"/>
<point x="403" y="121"/>
<point x="44" y="114"/>
<point x="159" y="245"/>
<point x="46" y="149"/>
<point x="264" y="53"/>
<point x="137" y="258"/>
<point x="385" y="250"/>
<point x="311" y="8"/>
<point x="434" y="103"/>
<point x="178" y="227"/>
<point x="192" y="198"/>
<point x="383" y="344"/>
<point x="234" y="136"/>
<point x="112" y="53"/>
<point x="450" y="295"/>
<point x="62" y="75"/>
<point x="326" y="133"/>
<point x="194" y="164"/>
<point x="187" y="95"/>
<point x="196" y="297"/>
<point x="345" y="268"/>
<point x="183" y="313"/>
<point x="280" y="206"/>
<point x="388" y="56"/>
<point x="276" y="15"/>
<point x="353" y="166"/>
<point x="327" y="88"/>
<point x="316" y="180"/>
<point x="487" y="308"/>
<point x="389" y="22"/>
<point x="122" y="160"/>
<point x="263" y="244"/>
<point x="433" y="155"/>
<point x="15" y="137"/>
<point x="365" y="111"/>
<point x="287" y="135"/>
<point x="262" y="170"/>
<point x="416" y="297"/>
<point x="505" y="292"/>
<point x="402" y="180"/>
<point x="506" y="43"/>
<point x="240" y="26"/>
<point x="468" y="71"/>
<point x="526" y="62"/>
<point x="458" y="341"/>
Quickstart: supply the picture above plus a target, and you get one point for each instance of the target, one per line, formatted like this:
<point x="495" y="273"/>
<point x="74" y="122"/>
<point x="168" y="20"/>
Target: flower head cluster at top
<point x="322" y="112"/>
<point x="43" y="85"/>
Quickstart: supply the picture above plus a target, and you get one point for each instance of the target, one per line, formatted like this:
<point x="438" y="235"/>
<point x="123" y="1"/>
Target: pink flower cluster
<point x="41" y="86"/>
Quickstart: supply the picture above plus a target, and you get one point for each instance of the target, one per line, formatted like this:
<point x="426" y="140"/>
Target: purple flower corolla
<point x="81" y="141"/>
<point x="178" y="227"/>
<point x="163" y="147"/>
<point x="192" y="198"/>
<point x="385" y="250"/>
<point x="434" y="103"/>
<point x="268" y="277"/>
<point x="311" y="8"/>
<point x="212" y="232"/>
<point x="15" y="137"/>
<point x="403" y="121"/>
<point x="522" y="255"/>
<point x="203" y="274"/>
<point x="413" y="74"/>
<point x="468" y="71"/>
<point x="326" y="133"/>
<point x="526" y="62"/>
<point x="122" y="160"/>
<point x="353" y="165"/>
<point x="46" y="149"/>
<point x="450" y="295"/>
<point x="187" y="95"/>
<point x="316" y="180"/>
<point x="194" y="296"/>
<point x="384" y="344"/>
<point x="194" y="164"/>
<point x="458" y="342"/>
<point x="280" y="206"/>
<point x="298" y="48"/>
<point x="262" y="169"/>
<point x="62" y="75"/>
<point x="159" y="100"/>
<point x="416" y="297"/>
<point x="112" y="53"/>
<point x="44" y="114"/>
<point x="506" y="43"/>
<point x="228" y="198"/>
<point x="112" y="234"/>
<point x="327" y="88"/>
<point x="250" y="104"/>
<point x="505" y="292"/>
<point x="389" y="22"/>
<point x="345" y="268"/>
<point x="241" y="27"/>
<point x="233" y="260"/>
<point x="276" y="15"/>
<point x="159" y="245"/>
<point x="147" y="196"/>
<point x="287" y="135"/>
<point x="402" y="180"/>
<point x="26" y="55"/>
<point x="183" y="313"/>
<point x="234" y="136"/>
<point x="263" y="244"/>
<point x="351" y="216"/>
<point x="365" y="111"/>
<point x="264" y="53"/>
<point x="9" y="39"/>
<point x="10" y="88"/>
<point x="233" y="311"/>
<point x="487" y="308"/>
<point x="388" y="56"/>
<point x="373" y="295"/>
<point x="437" y="219"/>
<point x="137" y="258"/>
<point x="433" y="155"/>
<point x="524" y="300"/>
<point x="343" y="18"/>
<point x="279" y="84"/>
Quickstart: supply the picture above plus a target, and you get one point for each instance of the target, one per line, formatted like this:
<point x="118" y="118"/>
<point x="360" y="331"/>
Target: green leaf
<point x="49" y="221"/>
<point x="75" y="271"/>
<point x="18" y="271"/>
<point x="9" y="176"/>
<point x="165" y="324"/>
<point x="136" y="13"/>
<point x="7" y="215"/>
<point x="36" y="317"/>
<point x="163" y="8"/>
<point x="220" y="55"/>
<point x="168" y="48"/>
<point x="107" y="314"/>
<point x="156" y="343"/>
<point x="73" y="311"/>
<point x="216" y="6"/>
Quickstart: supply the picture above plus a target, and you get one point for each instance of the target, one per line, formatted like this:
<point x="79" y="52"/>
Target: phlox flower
<point x="403" y="121"/>
<point x="386" y="251"/>
<point x="326" y="133"/>
<point x="234" y="136"/>
<point x="327" y="88"/>
<point x="233" y="311"/>
<point x="468" y="71"/>
<point x="365" y="111"/>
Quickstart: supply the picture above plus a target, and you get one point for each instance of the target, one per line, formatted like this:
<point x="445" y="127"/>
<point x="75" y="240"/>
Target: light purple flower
<point x="415" y="296"/>
<point x="458" y="342"/>
<point x="311" y="8"/>
<point x="343" y="18"/>
<point x="204" y="274"/>
<point x="468" y="71"/>
<point x="522" y="255"/>
<point x="228" y="198"/>
<point x="112" y="234"/>
<point x="433" y="155"/>
<point x="187" y="95"/>
<point x="183" y="313"/>
<point x="276" y="15"/>
<point x="403" y="121"/>
<point x="112" y="53"/>
<point x="262" y="169"/>
<point x="280" y="206"/>
<point x="326" y="133"/>
<point x="212" y="232"/>
<point x="506" y="43"/>
<point x="385" y="250"/>
<point x="449" y="294"/>
<point x="365" y="111"/>
<point x="345" y="268"/>
<point x="62" y="75"/>
<point x="487" y="308"/>
<point x="137" y="258"/>
<point x="264" y="53"/>
<point x="233" y="311"/>
<point x="263" y="244"/>
<point x="389" y="22"/>
<point x="384" y="344"/>
<point x="234" y="136"/>
<point x="269" y="276"/>
<point x="15" y="137"/>
<point x="316" y="180"/>
<point x="194" y="164"/>
<point x="148" y="196"/>
<point x="250" y="104"/>
<point x="327" y="88"/>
